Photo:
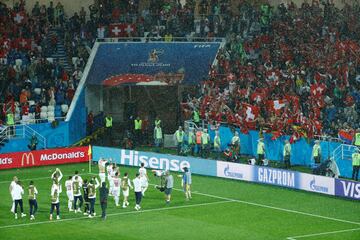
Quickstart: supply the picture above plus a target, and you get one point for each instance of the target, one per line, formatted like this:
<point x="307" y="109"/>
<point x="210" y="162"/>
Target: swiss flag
<point x="251" y="112"/>
<point x="317" y="89"/>
<point x="116" y="30"/>
<point x="24" y="43"/>
<point x="276" y="105"/>
<point x="258" y="97"/>
<point x="129" y="29"/>
<point x="19" y="17"/>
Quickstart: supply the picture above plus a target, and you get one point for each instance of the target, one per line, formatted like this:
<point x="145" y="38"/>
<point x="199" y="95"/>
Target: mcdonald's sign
<point x="29" y="158"/>
<point x="44" y="157"/>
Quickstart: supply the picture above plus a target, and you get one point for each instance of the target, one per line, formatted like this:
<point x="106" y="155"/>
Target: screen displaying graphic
<point x="152" y="63"/>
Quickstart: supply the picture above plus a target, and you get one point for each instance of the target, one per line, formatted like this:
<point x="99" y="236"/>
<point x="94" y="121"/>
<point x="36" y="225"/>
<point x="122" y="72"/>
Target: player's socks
<point x="51" y="217"/>
<point x="16" y="217"/>
<point x="57" y="217"/>
<point x="23" y="215"/>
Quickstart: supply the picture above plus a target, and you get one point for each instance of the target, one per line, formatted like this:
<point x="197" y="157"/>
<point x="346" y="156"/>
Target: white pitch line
<point x="322" y="233"/>
<point x="117" y="214"/>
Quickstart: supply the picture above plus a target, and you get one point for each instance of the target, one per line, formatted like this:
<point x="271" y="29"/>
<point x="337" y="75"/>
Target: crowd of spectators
<point x="31" y="80"/>
<point x="285" y="69"/>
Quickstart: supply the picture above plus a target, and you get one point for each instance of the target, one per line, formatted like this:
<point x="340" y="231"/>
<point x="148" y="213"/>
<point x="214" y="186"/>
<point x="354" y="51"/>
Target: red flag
<point x="251" y="112"/>
<point x="129" y="29"/>
<point x="23" y="43"/>
<point x="116" y="30"/>
<point x="317" y="89"/>
<point x="276" y="105"/>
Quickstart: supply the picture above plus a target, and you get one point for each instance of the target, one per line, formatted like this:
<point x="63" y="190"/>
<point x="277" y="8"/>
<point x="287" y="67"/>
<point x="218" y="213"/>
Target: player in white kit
<point x="125" y="186"/>
<point x="109" y="171"/>
<point x="116" y="188"/>
<point x="11" y="187"/>
<point x="101" y="164"/>
<point x="69" y="193"/>
<point x="144" y="179"/>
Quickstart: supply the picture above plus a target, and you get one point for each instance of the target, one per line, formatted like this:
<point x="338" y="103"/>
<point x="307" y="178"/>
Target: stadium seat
<point x="64" y="108"/>
<point x="43" y="115"/>
<point x="44" y="109"/>
<point x="51" y="114"/>
<point x="37" y="91"/>
<point x="31" y="102"/>
<point x="51" y="108"/>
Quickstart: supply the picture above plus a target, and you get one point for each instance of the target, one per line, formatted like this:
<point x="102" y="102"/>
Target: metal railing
<point x="21" y="131"/>
<point x="161" y="39"/>
<point x="343" y="152"/>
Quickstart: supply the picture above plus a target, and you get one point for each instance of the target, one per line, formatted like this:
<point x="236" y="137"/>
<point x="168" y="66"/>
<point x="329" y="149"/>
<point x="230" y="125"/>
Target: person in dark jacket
<point x="104" y="192"/>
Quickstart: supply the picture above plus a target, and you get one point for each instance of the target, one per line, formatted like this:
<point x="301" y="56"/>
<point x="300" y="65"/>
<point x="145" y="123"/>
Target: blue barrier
<point x="301" y="150"/>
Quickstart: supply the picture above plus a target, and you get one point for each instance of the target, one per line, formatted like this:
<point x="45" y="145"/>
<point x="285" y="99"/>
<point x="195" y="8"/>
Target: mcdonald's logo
<point x="29" y="157"/>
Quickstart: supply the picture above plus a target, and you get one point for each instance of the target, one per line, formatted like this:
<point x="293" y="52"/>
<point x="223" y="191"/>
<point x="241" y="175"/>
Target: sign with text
<point x="44" y="157"/>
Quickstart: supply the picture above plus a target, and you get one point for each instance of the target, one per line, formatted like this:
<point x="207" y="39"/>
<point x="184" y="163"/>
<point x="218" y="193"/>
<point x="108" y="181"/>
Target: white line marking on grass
<point x="322" y="233"/>
<point x="278" y="208"/>
<point x="117" y="214"/>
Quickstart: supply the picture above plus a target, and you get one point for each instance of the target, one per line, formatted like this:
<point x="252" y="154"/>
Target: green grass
<point x="220" y="209"/>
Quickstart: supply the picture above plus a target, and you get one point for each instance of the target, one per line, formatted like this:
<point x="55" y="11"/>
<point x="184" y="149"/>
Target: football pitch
<point x="219" y="209"/>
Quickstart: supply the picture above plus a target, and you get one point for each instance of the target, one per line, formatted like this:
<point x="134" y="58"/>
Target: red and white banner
<point x="44" y="157"/>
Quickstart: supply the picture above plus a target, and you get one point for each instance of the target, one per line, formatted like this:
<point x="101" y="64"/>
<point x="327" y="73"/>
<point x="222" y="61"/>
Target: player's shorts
<point x="144" y="182"/>
<point x="70" y="195"/>
<point x="186" y="187"/>
<point x="109" y="177"/>
<point x="102" y="177"/>
<point x="116" y="192"/>
<point x="126" y="192"/>
<point x="168" y="191"/>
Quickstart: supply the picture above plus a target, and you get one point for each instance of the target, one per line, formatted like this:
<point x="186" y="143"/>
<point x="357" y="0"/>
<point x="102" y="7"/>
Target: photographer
<point x="169" y="184"/>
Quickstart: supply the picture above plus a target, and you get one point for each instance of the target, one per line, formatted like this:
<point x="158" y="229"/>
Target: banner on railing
<point x="349" y="189"/>
<point x="44" y="157"/>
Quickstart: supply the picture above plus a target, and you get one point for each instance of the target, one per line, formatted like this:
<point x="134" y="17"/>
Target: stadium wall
<point x="236" y="171"/>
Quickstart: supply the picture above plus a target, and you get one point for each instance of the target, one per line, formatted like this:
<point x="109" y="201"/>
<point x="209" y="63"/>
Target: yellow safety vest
<point x="138" y="124"/>
<point x="316" y="150"/>
<point x="157" y="122"/>
<point x="287" y="149"/>
<point x="191" y="138"/>
<point x="357" y="139"/>
<point x="356" y="159"/>
<point x="10" y="119"/>
<point x="158" y="133"/>
<point x="196" y="116"/>
<point x="179" y="136"/>
<point x="204" y="138"/>
<point x="217" y="142"/>
<point x="108" y="122"/>
<point x="260" y="148"/>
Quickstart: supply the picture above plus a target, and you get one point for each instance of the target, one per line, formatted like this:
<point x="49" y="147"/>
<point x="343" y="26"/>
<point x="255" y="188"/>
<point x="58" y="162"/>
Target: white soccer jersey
<point x="117" y="183"/>
<point x="109" y="170"/>
<point x="69" y="185"/>
<point x="12" y="185"/>
<point x="101" y="165"/>
<point x="142" y="172"/>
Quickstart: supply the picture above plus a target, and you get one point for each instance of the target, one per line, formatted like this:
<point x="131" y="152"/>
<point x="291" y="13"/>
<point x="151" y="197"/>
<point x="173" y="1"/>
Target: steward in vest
<point x="179" y="139"/>
<point x="196" y="117"/>
<point x="10" y="121"/>
<point x="198" y="139"/>
<point x="235" y="144"/>
<point x="108" y="126"/>
<point x="260" y="151"/>
<point x="157" y="121"/>
<point x="205" y="139"/>
<point x="138" y="130"/>
<point x="356" y="164"/>
<point x="158" y="137"/>
<point x="316" y="152"/>
<point x="217" y="145"/>
<point x="191" y="140"/>
<point x="286" y="153"/>
<point x="357" y="138"/>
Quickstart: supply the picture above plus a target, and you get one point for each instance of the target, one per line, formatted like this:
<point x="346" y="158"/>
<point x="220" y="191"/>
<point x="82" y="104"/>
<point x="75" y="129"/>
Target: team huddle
<point x="81" y="193"/>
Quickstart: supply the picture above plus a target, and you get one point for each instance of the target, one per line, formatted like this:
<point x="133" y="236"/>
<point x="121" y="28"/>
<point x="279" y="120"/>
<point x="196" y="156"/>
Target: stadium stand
<point x="302" y="83"/>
